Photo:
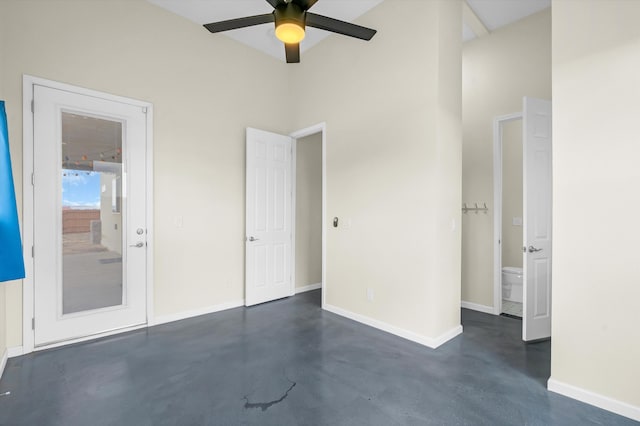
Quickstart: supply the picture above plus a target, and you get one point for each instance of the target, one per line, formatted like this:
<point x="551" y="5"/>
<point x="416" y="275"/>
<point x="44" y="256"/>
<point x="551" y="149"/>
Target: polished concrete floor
<point x="290" y="363"/>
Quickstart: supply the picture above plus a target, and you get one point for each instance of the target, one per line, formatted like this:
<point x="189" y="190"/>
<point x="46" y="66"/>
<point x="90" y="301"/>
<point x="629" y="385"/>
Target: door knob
<point x="139" y="244"/>
<point x="532" y="249"/>
<point x="254" y="239"/>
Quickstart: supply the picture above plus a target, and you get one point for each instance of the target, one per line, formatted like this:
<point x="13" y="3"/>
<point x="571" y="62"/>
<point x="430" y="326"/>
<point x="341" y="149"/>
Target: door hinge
<point x="32" y="108"/>
<point x="144" y="110"/>
<point x="33" y="323"/>
<point x="33" y="251"/>
<point x="33" y="179"/>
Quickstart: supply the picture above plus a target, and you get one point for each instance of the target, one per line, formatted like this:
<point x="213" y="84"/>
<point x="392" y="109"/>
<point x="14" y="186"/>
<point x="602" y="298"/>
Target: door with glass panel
<point x="89" y="215"/>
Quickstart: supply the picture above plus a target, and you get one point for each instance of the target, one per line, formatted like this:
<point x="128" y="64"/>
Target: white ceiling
<point x="492" y="13"/>
<point x="498" y="13"/>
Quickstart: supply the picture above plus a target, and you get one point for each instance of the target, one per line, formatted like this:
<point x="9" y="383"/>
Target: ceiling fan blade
<point x="293" y="52"/>
<point x="276" y="3"/>
<point x="305" y="4"/>
<point x="232" y="24"/>
<point x="340" y="27"/>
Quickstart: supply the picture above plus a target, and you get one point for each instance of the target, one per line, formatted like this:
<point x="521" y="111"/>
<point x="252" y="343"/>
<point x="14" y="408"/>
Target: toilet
<point x="512" y="284"/>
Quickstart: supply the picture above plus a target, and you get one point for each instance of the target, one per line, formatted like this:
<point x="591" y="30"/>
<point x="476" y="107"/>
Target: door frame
<point x="308" y="131"/>
<point x="28" y="295"/>
<point x="497" y="206"/>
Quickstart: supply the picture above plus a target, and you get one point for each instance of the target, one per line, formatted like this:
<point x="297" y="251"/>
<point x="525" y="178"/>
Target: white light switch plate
<point x="517" y="221"/>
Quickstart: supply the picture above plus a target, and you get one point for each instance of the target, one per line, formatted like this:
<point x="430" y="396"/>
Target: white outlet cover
<point x="370" y="294"/>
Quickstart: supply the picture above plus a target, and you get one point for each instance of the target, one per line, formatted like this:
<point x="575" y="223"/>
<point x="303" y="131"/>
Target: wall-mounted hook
<point x="476" y="208"/>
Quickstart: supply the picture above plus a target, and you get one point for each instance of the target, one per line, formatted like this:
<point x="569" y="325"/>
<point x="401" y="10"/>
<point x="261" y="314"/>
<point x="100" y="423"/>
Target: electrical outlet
<point x="371" y="295"/>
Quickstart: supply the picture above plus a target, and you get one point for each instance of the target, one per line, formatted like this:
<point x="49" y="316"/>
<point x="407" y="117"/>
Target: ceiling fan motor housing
<point x="289" y="13"/>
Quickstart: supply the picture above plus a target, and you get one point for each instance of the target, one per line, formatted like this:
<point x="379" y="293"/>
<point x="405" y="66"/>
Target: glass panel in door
<point x="92" y="243"/>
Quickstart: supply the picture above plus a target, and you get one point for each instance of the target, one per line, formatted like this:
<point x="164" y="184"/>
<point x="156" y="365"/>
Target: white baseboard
<point x="308" y="288"/>
<point x="432" y="343"/>
<point x="477" y="307"/>
<point x="3" y="361"/>
<point x="163" y="319"/>
<point x="592" y="398"/>
<point x="15" y="351"/>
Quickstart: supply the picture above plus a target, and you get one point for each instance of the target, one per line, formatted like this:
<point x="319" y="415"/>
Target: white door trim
<point x="28" y="194"/>
<point x="318" y="128"/>
<point x="497" y="207"/>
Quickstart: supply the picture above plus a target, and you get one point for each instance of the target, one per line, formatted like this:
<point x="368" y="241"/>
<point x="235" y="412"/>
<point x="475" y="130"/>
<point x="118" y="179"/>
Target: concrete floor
<point x="290" y="363"/>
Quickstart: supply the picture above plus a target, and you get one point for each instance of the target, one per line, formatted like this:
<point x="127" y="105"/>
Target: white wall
<point x="392" y="110"/>
<point x="596" y="199"/>
<point x="511" y="193"/>
<point x="309" y="210"/>
<point x="205" y="89"/>
<point x="498" y="70"/>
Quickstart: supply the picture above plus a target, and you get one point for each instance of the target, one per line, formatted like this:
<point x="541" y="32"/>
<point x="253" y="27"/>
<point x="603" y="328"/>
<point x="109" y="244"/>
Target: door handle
<point x="139" y="244"/>
<point x="254" y="239"/>
<point x="532" y="249"/>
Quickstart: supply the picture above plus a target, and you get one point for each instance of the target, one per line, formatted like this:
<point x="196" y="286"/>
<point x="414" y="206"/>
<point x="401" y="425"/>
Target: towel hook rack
<point x="475" y="209"/>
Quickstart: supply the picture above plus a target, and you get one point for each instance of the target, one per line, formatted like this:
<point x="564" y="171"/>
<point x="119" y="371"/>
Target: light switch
<point x="517" y="221"/>
<point x="178" y="221"/>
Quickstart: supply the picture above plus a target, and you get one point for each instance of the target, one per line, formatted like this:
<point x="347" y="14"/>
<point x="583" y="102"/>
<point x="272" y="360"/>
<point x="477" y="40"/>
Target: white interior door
<point x="537" y="219"/>
<point x="89" y="215"/>
<point x="268" y="217"/>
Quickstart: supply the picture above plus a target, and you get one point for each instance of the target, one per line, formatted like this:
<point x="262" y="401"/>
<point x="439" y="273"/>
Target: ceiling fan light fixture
<point x="290" y="33"/>
<point x="291" y="17"/>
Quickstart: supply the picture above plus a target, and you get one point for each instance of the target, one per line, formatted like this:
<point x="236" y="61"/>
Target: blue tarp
<point x="11" y="260"/>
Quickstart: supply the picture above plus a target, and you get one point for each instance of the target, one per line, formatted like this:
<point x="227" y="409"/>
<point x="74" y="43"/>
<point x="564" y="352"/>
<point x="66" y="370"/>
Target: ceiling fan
<point x="291" y="17"/>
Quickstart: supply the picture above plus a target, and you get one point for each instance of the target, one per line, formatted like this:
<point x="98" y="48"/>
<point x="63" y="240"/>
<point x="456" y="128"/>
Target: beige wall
<point x="3" y="322"/>
<point x="309" y="210"/>
<point x="3" y="305"/>
<point x="203" y="88"/>
<point x="511" y="193"/>
<point x="596" y="87"/>
<point x="498" y="70"/>
<point x="392" y="111"/>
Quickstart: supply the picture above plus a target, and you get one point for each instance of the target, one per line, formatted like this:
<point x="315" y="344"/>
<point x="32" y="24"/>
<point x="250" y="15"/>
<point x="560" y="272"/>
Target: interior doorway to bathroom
<point x="512" y="219"/>
<point x="522" y="219"/>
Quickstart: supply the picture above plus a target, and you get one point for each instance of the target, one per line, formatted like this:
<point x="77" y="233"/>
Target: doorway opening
<point x="511" y="294"/>
<point x="308" y="211"/>
<point x="522" y="217"/>
<point x="284" y="236"/>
